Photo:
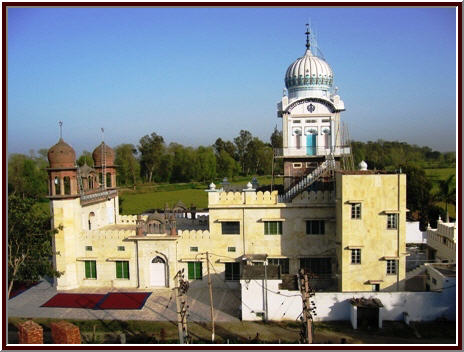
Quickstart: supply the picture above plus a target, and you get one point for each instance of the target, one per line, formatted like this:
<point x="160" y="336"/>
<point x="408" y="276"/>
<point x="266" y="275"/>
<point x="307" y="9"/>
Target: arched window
<point x="101" y="178"/>
<point x="67" y="185"/>
<point x="108" y="179"/>
<point x="158" y="260"/>
<point x="57" y="185"/>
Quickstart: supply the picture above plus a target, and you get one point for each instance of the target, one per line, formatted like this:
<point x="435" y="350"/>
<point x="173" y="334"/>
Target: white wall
<point x="413" y="234"/>
<point x="287" y="305"/>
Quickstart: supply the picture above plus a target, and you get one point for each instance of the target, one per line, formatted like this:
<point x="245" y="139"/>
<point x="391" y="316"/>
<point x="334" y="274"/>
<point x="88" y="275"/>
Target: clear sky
<point x="195" y="74"/>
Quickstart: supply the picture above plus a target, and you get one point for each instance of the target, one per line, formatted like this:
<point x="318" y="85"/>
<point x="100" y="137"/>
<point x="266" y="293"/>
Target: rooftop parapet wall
<point x="447" y="229"/>
<point x="112" y="234"/>
<point x="315" y="197"/>
<point x="219" y="198"/>
<point x="242" y="198"/>
<point x="129" y="219"/>
<point x="194" y="234"/>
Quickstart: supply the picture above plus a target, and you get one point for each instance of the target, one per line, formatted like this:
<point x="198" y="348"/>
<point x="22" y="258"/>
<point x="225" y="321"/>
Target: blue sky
<point x="195" y="74"/>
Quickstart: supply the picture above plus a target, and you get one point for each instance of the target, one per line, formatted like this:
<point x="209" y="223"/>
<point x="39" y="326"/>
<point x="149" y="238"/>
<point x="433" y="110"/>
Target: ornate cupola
<point x="103" y="158"/>
<point x="310" y="109"/>
<point x="62" y="173"/>
<point x="308" y="75"/>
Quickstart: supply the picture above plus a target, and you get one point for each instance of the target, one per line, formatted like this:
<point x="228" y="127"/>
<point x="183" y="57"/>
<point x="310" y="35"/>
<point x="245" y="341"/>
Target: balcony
<point x="97" y="196"/>
<point x="310" y="152"/>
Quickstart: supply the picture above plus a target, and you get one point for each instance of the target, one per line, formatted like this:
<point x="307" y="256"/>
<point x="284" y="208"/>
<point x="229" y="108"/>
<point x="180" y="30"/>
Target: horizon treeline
<point x="152" y="160"/>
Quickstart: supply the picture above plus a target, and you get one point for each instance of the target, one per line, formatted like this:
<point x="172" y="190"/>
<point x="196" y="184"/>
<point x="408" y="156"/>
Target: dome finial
<point x="307" y="36"/>
<point x="61" y="129"/>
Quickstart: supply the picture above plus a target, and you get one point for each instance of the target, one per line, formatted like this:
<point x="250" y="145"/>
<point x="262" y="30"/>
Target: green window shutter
<point x="90" y="269"/>
<point x="126" y="270"/>
<point x="87" y="270"/>
<point x="191" y="270"/>
<point x="279" y="227"/>
<point x="118" y="270"/>
<point x="198" y="271"/>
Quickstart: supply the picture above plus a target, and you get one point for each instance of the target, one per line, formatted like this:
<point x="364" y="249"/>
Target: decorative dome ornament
<point x="309" y="71"/>
<point x="363" y="166"/>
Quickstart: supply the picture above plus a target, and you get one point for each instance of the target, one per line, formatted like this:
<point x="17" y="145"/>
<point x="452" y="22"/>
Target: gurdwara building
<point x="344" y="226"/>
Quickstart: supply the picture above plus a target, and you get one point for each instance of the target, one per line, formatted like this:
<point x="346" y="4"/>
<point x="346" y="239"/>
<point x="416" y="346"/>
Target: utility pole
<point x="307" y="318"/>
<point x="210" y="297"/>
<point x="181" y="303"/>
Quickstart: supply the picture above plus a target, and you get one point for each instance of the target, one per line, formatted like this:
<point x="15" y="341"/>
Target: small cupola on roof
<point x="309" y="72"/>
<point x="61" y="155"/>
<point x="103" y="152"/>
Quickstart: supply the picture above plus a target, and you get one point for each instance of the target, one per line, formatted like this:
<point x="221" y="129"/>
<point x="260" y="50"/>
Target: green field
<point x="147" y="197"/>
<point x="156" y="196"/>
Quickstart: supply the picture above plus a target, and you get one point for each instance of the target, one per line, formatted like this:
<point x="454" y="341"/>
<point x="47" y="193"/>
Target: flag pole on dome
<point x="61" y="126"/>
<point x="103" y="159"/>
<point x="307" y="36"/>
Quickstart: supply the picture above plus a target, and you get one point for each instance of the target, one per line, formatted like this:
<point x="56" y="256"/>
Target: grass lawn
<point x="156" y="196"/>
<point x="153" y="332"/>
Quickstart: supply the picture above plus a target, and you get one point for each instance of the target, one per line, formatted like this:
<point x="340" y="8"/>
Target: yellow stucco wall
<point x="378" y="195"/>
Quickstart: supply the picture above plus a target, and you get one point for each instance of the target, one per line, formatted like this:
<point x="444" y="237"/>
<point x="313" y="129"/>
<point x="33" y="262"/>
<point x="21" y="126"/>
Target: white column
<point x="332" y="134"/>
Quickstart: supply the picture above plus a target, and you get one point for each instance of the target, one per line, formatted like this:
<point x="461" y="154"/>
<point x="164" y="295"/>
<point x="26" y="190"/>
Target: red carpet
<point x="74" y="300"/>
<point x="124" y="300"/>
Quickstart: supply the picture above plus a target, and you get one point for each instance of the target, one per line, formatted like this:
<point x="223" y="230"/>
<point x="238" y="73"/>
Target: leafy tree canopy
<point x="29" y="242"/>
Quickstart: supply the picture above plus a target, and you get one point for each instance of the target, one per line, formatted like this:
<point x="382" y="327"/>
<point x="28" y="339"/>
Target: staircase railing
<point x="308" y="180"/>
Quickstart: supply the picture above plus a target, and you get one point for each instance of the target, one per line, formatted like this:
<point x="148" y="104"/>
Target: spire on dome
<point x="61" y="129"/>
<point x="307" y="36"/>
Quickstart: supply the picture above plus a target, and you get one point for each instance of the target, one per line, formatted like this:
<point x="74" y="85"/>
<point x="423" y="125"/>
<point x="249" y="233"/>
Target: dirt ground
<point x="143" y="332"/>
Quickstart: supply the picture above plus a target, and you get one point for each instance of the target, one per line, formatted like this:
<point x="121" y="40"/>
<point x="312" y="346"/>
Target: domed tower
<point x="310" y="110"/>
<point x="62" y="173"/>
<point x="103" y="158"/>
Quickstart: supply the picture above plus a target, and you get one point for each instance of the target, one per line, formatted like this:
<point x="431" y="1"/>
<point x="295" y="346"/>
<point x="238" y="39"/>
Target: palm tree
<point x="446" y="193"/>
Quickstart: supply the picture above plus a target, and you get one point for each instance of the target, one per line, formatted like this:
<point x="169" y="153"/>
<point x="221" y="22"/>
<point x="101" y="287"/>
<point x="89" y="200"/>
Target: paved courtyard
<point x="160" y="306"/>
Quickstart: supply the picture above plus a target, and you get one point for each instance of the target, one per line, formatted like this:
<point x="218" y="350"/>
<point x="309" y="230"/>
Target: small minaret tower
<point x="310" y="111"/>
<point x="62" y="173"/>
<point x="64" y="207"/>
<point x="103" y="158"/>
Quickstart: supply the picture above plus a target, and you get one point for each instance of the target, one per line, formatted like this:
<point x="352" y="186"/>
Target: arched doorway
<point x="158" y="272"/>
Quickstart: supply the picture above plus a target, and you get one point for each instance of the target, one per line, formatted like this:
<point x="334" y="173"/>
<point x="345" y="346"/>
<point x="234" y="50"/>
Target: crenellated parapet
<point x="129" y="219"/>
<point x="110" y="234"/>
<point x="194" y="234"/>
<point x="314" y="197"/>
<point x="241" y="198"/>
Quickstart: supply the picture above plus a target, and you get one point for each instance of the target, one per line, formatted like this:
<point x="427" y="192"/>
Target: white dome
<point x="310" y="72"/>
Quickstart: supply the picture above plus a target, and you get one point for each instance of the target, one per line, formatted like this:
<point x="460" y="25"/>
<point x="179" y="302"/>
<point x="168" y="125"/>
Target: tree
<point x="151" y="148"/>
<point x="25" y="178"/>
<point x="241" y="142"/>
<point x="184" y="165"/>
<point x="85" y="158"/>
<point x="446" y="193"/>
<point x="226" y="165"/>
<point x="276" y="139"/>
<point x="128" y="165"/>
<point x="206" y="162"/>
<point x="29" y="242"/>
<point x="418" y="196"/>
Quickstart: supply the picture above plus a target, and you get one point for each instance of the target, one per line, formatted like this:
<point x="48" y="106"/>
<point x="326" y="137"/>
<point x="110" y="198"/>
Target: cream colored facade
<point x="113" y="238"/>
<point x="378" y="196"/>
<point x="442" y="241"/>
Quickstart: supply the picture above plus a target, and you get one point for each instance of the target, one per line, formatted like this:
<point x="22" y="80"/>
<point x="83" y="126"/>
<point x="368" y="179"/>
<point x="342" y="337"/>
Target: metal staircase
<point x="308" y="180"/>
